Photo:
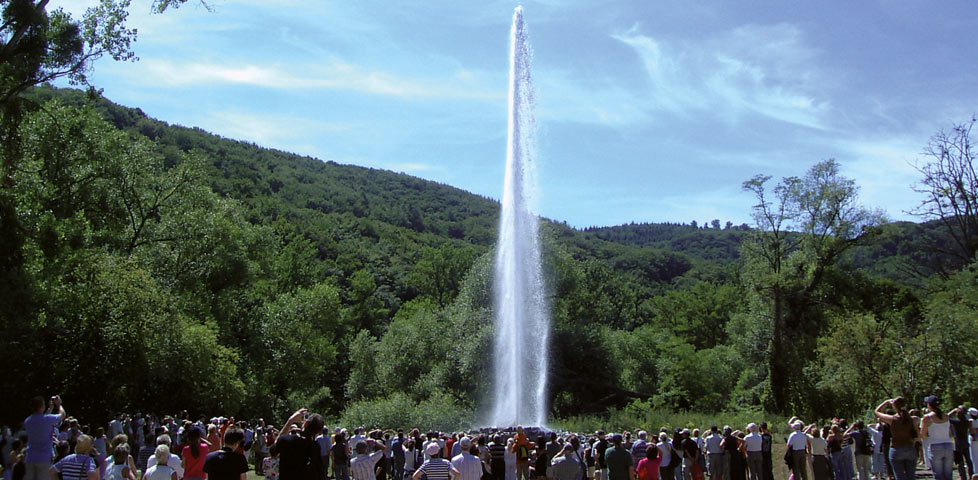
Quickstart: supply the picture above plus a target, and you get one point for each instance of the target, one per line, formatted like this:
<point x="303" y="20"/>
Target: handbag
<point x="697" y="472"/>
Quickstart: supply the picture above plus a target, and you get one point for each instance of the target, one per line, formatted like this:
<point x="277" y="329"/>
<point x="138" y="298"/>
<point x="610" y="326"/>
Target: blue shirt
<point x="75" y="466"/>
<point x="41" y="429"/>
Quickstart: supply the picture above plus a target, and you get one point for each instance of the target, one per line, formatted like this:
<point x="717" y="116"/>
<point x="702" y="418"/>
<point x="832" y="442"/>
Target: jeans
<point x="37" y="471"/>
<point x="838" y="465"/>
<point x="942" y="460"/>
<point x="341" y="470"/>
<point x="904" y="462"/>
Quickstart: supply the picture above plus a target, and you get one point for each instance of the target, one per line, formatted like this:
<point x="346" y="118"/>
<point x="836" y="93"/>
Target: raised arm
<point x="883" y="416"/>
<point x="293" y="420"/>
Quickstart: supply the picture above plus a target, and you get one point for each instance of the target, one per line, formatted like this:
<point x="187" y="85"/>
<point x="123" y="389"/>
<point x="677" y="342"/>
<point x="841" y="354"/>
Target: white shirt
<point x="467" y="466"/>
<point x="877" y="438"/>
<point x="173" y="462"/>
<point x="753" y="442"/>
<point x="362" y="465"/>
<point x="713" y="444"/>
<point x="798" y="440"/>
<point x="819" y="446"/>
<point x="665" y="449"/>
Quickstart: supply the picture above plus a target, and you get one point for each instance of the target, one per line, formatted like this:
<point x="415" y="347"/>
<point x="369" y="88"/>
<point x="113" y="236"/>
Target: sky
<point x="646" y="111"/>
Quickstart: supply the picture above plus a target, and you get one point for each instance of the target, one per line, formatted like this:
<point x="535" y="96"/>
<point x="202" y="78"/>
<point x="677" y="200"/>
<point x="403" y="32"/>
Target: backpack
<point x="522" y="453"/>
<point x="867" y="444"/>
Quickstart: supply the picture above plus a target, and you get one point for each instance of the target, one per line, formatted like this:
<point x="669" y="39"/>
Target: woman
<point x="648" y="467"/>
<point x="731" y="446"/>
<point x="834" y="441"/>
<point x="902" y="454"/>
<point x="936" y="428"/>
<point x="193" y="456"/>
<point x="510" y="459"/>
<point x="79" y="465"/>
<point x="213" y="438"/>
<point x="821" y="466"/>
<point x="667" y="467"/>
<point x="161" y="471"/>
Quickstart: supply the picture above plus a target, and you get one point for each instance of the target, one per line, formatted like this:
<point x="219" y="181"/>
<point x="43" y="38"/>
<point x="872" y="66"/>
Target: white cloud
<point x="752" y="70"/>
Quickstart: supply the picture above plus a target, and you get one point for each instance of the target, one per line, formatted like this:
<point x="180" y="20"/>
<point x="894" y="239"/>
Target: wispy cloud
<point x="333" y="76"/>
<point x="760" y="70"/>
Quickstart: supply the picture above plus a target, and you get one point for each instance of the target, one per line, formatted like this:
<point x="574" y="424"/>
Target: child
<point x="270" y="464"/>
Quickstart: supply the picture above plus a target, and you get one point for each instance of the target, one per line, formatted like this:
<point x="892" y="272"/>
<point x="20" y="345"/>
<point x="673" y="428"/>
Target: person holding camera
<point x="42" y="429"/>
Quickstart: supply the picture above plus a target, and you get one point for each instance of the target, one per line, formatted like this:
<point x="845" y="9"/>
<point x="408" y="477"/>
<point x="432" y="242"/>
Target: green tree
<point x="801" y="232"/>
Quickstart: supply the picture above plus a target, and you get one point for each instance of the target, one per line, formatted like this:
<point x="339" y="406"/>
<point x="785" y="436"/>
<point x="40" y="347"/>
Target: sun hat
<point x="432" y="449"/>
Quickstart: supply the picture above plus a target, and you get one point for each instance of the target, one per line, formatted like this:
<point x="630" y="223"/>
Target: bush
<point x="438" y="412"/>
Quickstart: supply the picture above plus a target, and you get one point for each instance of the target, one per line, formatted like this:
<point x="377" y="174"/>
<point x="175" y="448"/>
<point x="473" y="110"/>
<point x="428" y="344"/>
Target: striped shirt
<point x="497" y="451"/>
<point x="437" y="469"/>
<point x="467" y="466"/>
<point x="75" y="466"/>
<point x="362" y="465"/>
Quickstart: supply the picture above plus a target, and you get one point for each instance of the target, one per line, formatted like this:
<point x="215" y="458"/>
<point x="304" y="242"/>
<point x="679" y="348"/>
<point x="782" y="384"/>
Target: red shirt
<point x="195" y="466"/>
<point x="648" y="469"/>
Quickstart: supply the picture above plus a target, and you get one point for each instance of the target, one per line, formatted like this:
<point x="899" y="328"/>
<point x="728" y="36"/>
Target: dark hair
<point x="233" y="436"/>
<point x="858" y="424"/>
<point x="652" y="452"/>
<point x="120" y="454"/>
<point x="900" y="407"/>
<point x="37" y="403"/>
<point x="314" y="426"/>
<point x="361" y="447"/>
<point x="193" y="438"/>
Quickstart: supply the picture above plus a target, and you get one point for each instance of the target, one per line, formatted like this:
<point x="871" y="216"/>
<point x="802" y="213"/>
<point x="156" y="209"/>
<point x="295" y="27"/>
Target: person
<point x="714" y="453"/>
<point x="77" y="466"/>
<point x="834" y="440"/>
<point x="541" y="463"/>
<point x="41" y="430"/>
<point x="619" y="460"/>
<point x="936" y="428"/>
<point x="174" y="461"/>
<point x="902" y="454"/>
<point x="435" y="468"/>
<point x="553" y="448"/>
<point x="639" y="447"/>
<point x="397" y="455"/>
<point x="522" y="448"/>
<point x="600" y="447"/>
<point x="466" y="466"/>
<point x="691" y="454"/>
<point x="270" y="463"/>
<point x="299" y="454"/>
<point x="213" y="438"/>
<point x="160" y="470"/>
<point x="119" y="470"/>
<point x="667" y="467"/>
<point x="648" y="466"/>
<point x="339" y="453"/>
<point x="878" y="463"/>
<point x="510" y="458"/>
<point x="566" y="465"/>
<point x="497" y="458"/>
<point x="754" y="443"/>
<point x="862" y="442"/>
<point x="101" y="450"/>
<point x="363" y="464"/>
<point x="227" y="463"/>
<point x="821" y="465"/>
<point x="193" y="456"/>
<point x="798" y="443"/>
<point x="324" y="447"/>
<point x="961" y="428"/>
<point x="731" y="450"/>
<point x="767" y="442"/>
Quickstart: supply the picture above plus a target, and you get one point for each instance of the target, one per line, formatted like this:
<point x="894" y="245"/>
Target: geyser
<point x="522" y="324"/>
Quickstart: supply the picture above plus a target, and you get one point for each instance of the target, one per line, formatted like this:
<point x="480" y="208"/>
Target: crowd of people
<point x="53" y="446"/>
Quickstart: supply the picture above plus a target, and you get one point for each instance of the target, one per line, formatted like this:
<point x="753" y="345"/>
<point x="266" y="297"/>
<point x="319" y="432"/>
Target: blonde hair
<point x="83" y="445"/>
<point x="162" y="454"/>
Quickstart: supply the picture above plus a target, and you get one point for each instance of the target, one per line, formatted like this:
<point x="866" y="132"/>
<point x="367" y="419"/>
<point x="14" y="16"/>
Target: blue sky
<point x="647" y="111"/>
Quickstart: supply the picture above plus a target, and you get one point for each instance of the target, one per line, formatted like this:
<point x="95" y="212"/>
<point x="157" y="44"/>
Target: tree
<point x="801" y="232"/>
<point x="950" y="188"/>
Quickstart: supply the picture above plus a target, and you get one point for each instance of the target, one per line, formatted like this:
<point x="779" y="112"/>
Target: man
<point x="565" y="466"/>
<point x="42" y="429"/>
<point x="397" y="455"/>
<point x="324" y="447"/>
<point x="227" y="463"/>
<point x="691" y="454"/>
<point x="363" y="464"/>
<point x="497" y="458"/>
<point x="619" y="460"/>
<point x="755" y="457"/>
<point x="714" y="453"/>
<point x="638" y="448"/>
<point x="600" y="448"/>
<point x="174" y="461"/>
<point x="553" y="448"/>
<point x="357" y="437"/>
<point x="299" y="455"/>
<point x="767" y="440"/>
<point x="522" y="449"/>
<point x="435" y="468"/>
<point x="466" y="466"/>
<point x="115" y="426"/>
<point x="798" y="443"/>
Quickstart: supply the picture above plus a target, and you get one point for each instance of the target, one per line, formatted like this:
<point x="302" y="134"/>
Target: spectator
<point x="77" y="466"/>
<point x="566" y="465"/>
<point x="299" y="454"/>
<point x="41" y="429"/>
<point x="227" y="463"/>
<point x="160" y="470"/>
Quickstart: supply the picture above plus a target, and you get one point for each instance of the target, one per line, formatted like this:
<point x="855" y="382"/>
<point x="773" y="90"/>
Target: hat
<point x="465" y="443"/>
<point x="432" y="449"/>
<point x="616" y="438"/>
<point x="973" y="412"/>
<point x="933" y="400"/>
<point x="685" y="431"/>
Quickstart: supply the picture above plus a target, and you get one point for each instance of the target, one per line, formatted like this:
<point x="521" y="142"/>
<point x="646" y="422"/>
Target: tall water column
<point x="522" y="323"/>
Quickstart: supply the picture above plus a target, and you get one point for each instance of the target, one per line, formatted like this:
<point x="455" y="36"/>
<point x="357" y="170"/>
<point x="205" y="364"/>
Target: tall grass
<point x="631" y="418"/>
